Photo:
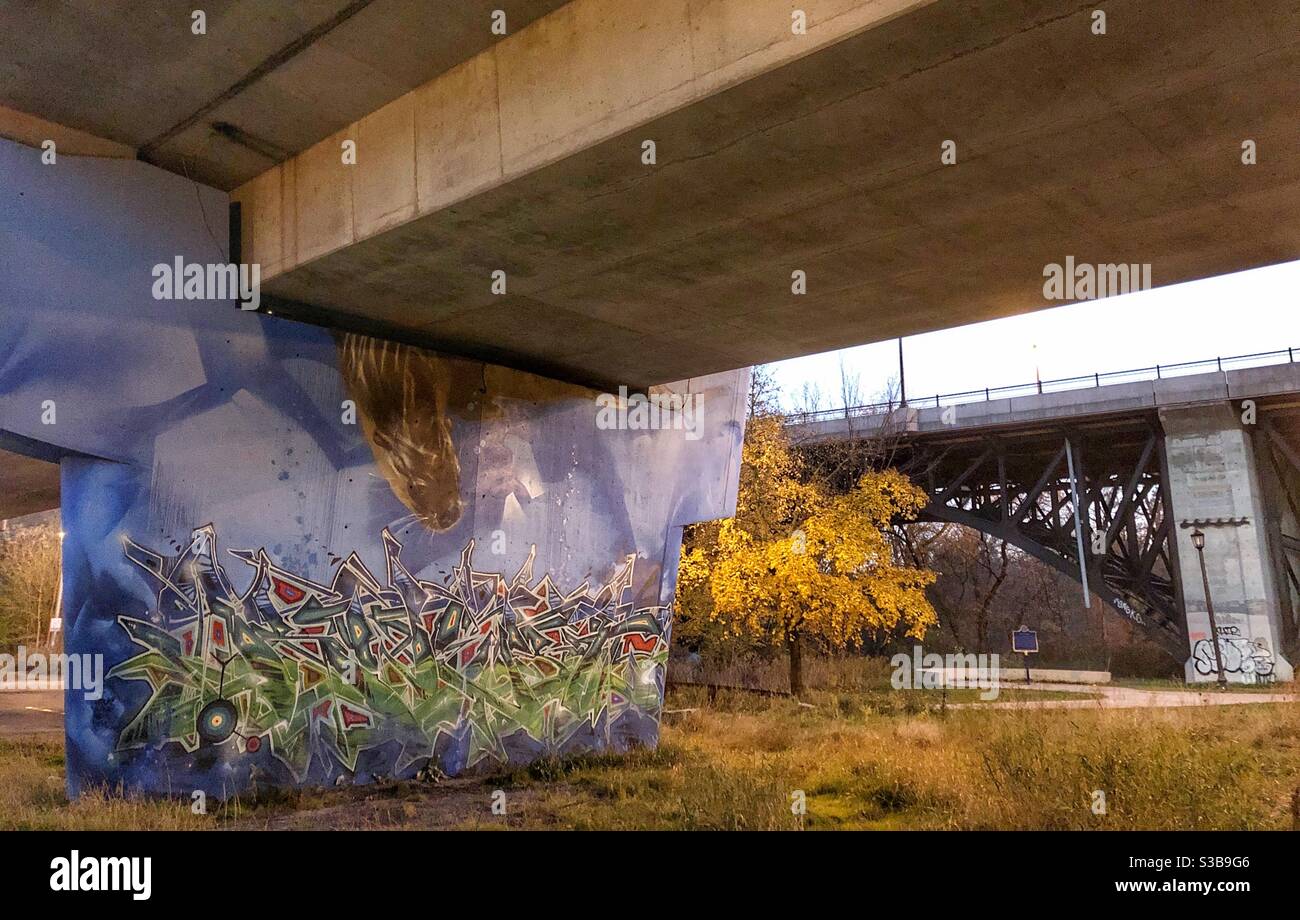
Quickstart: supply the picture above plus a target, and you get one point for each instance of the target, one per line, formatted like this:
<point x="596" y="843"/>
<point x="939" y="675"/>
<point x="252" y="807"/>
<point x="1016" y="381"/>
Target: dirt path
<point x="1132" y="698"/>
<point x="459" y="804"/>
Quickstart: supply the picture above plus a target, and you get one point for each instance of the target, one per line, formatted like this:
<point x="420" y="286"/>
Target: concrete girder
<point x="266" y="81"/>
<point x="780" y="152"/>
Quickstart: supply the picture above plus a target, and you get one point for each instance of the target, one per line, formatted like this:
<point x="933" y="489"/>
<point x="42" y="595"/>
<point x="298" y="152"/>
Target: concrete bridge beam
<point x="780" y="152"/>
<point x="588" y="72"/>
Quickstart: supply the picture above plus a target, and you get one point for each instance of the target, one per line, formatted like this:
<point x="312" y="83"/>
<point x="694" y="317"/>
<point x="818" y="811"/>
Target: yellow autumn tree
<point x="797" y="564"/>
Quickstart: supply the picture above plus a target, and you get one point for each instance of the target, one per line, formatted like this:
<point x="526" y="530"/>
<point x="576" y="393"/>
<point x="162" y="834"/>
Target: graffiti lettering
<point x="1240" y="656"/>
<point x="482" y="670"/>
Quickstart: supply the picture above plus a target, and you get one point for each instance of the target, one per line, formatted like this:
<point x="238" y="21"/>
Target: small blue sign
<point x="1024" y="640"/>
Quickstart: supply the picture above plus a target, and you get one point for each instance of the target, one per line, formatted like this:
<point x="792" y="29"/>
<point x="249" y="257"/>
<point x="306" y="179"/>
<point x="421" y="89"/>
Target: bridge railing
<point x="1058" y="385"/>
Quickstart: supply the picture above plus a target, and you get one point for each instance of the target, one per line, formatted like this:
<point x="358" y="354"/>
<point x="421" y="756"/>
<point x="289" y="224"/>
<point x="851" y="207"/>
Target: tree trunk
<point x="999" y="575"/>
<point x="795" y="648"/>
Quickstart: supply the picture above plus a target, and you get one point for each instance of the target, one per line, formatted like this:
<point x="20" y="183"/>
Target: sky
<point x="1238" y="314"/>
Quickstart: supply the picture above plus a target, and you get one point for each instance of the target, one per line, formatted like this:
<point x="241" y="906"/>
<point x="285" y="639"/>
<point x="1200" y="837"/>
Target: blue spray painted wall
<point x="466" y="572"/>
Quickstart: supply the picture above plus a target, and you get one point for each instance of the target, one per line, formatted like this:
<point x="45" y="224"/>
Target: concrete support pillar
<point x="1281" y="484"/>
<point x="1213" y="478"/>
<point x="295" y="557"/>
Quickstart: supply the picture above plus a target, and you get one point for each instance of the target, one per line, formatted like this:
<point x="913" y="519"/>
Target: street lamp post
<point x="1198" y="540"/>
<point x="902" y="375"/>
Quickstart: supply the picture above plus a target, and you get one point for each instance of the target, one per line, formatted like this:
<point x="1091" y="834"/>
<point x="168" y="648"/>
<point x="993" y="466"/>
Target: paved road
<point x="1130" y="698"/>
<point x="26" y="712"/>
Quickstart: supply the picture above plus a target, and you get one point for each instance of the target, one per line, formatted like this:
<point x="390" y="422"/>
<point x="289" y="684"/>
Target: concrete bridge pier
<point x="1216" y="484"/>
<point x="308" y="558"/>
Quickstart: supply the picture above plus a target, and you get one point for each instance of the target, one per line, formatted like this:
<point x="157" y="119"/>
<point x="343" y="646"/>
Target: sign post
<point x="1025" y="641"/>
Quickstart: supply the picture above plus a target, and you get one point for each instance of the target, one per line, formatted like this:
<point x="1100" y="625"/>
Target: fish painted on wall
<point x="401" y="395"/>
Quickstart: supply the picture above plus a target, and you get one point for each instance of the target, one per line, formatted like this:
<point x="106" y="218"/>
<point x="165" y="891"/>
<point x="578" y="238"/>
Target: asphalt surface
<point x="27" y="712"/>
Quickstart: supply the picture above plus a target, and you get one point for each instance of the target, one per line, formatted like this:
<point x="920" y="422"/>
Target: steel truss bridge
<point x="1081" y="480"/>
<point x="1020" y="489"/>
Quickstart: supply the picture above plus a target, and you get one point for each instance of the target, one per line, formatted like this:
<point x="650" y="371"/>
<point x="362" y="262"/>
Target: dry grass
<point x="32" y="796"/>
<point x="822" y="672"/>
<point x="735" y="764"/>
<point x="1230" y="767"/>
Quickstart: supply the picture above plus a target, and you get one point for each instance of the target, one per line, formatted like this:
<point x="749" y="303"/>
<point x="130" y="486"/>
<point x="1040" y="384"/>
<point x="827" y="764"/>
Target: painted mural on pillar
<point x="308" y="557"/>
<point x="306" y="677"/>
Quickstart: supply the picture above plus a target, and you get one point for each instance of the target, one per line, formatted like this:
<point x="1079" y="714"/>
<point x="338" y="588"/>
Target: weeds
<point x="739" y="765"/>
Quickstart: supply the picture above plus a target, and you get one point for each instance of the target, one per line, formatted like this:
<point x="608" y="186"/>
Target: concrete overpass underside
<point x="776" y="152"/>
<point x="266" y="80"/>
<point x="779" y="153"/>
<point x="27" y="485"/>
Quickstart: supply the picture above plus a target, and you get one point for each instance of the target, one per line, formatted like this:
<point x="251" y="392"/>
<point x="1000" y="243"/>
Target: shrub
<point x="29" y="583"/>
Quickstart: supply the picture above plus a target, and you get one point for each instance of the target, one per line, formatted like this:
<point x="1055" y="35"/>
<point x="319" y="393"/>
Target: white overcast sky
<point x="1229" y="315"/>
